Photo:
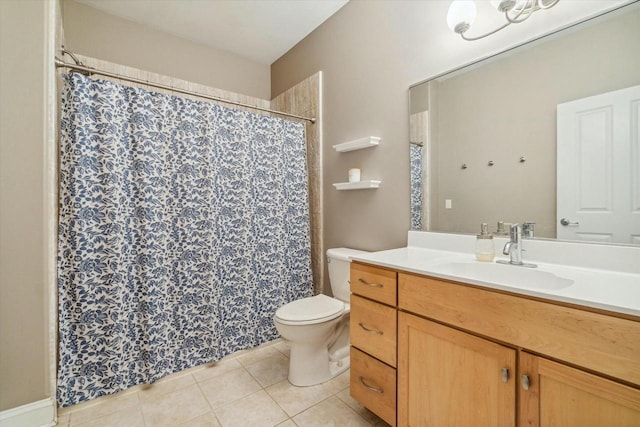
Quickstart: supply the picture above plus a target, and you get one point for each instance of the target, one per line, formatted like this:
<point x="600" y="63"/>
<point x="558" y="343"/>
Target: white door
<point x="598" y="188"/>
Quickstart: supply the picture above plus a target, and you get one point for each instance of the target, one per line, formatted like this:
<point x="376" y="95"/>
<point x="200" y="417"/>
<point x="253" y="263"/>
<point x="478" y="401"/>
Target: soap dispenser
<point x="485" y="250"/>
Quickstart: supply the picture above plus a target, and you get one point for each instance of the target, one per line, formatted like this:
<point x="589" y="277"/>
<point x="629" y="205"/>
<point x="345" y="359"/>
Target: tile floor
<point x="248" y="388"/>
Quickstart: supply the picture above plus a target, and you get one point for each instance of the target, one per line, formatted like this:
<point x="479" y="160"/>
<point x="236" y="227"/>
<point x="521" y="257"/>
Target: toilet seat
<point x="309" y="311"/>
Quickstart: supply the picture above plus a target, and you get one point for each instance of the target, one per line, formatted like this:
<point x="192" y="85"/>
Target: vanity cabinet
<point x="457" y="351"/>
<point x="373" y="329"/>
<point x="470" y="355"/>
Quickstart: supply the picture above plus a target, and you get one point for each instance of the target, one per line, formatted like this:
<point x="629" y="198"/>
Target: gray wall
<point x="24" y="375"/>
<point x="364" y="94"/>
<point x="91" y="32"/>
<point x="370" y="53"/>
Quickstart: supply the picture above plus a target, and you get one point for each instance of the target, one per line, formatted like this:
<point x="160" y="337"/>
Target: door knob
<point x="565" y="222"/>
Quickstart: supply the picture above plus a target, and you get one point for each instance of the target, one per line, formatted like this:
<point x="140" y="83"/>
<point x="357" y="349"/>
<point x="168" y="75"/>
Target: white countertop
<point x="615" y="291"/>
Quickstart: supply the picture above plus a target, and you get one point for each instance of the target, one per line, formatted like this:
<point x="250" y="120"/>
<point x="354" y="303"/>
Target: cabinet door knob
<point x="373" y="285"/>
<point x="504" y="375"/>
<point x="525" y="382"/>
<point x="373" y="331"/>
<point x="372" y="388"/>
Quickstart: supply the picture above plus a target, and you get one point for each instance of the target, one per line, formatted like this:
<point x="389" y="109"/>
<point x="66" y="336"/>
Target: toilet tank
<point x="339" y="265"/>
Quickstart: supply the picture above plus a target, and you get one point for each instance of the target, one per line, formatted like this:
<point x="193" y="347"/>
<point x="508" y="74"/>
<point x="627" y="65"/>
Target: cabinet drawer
<point x="374" y="385"/>
<point x="595" y="341"/>
<point x="373" y="329"/>
<point x="376" y="283"/>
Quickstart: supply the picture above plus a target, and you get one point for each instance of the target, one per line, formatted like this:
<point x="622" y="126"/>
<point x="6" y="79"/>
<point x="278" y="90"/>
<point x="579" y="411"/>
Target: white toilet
<point x="317" y="328"/>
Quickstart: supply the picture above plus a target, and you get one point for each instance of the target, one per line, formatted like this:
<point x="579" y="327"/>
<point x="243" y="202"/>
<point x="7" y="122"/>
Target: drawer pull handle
<point x="376" y="389"/>
<point x="373" y="331"/>
<point x="525" y="382"/>
<point x="373" y="285"/>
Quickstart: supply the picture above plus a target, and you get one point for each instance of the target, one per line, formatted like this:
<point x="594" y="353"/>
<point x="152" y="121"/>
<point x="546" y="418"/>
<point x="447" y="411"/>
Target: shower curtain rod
<point x="78" y="67"/>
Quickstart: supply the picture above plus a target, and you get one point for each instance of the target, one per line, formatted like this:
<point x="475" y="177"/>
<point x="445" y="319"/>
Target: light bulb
<point x="503" y="5"/>
<point x="461" y="15"/>
<point x="521" y="4"/>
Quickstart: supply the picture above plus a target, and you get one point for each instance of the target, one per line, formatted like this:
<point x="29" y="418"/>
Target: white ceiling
<point x="260" y="30"/>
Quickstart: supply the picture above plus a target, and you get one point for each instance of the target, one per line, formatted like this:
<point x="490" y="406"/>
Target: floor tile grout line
<point x="97" y="401"/>
<point x="309" y="407"/>
<point x="144" y="418"/>
<point x="289" y="417"/>
<point x="108" y="398"/>
<point x="344" y="403"/>
<point x="262" y="388"/>
<point x="348" y="406"/>
<point x="269" y="396"/>
<point x="283" y="409"/>
<point x="138" y="406"/>
<point x="213" y="411"/>
<point x="253" y="376"/>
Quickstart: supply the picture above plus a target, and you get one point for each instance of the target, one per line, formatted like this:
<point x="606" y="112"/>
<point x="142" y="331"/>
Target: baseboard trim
<point x="34" y="414"/>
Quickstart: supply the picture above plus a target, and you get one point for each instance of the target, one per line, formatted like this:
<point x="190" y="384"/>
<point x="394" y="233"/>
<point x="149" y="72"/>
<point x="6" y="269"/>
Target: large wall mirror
<point x="546" y="133"/>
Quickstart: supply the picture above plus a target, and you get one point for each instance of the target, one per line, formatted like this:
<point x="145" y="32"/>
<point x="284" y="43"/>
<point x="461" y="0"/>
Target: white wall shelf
<point x="360" y="185"/>
<point x="370" y="141"/>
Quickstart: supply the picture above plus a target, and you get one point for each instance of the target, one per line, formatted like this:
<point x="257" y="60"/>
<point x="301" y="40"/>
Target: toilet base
<point x="311" y="365"/>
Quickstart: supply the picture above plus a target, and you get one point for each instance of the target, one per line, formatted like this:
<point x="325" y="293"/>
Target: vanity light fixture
<point x="462" y="13"/>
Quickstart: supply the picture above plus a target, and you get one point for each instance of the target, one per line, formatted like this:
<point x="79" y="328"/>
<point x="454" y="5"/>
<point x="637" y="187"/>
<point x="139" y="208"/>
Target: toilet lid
<point x="317" y="308"/>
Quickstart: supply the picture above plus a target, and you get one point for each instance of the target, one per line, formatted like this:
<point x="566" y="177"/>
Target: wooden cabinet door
<point x="450" y="378"/>
<point x="559" y="395"/>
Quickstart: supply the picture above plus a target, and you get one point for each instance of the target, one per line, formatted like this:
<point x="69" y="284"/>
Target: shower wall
<point x="304" y="99"/>
<point x="136" y="73"/>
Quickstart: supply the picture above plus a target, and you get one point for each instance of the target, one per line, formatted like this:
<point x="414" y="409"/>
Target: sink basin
<point x="504" y="274"/>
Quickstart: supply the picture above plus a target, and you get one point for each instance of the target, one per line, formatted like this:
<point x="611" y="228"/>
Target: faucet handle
<point x="528" y="229"/>
<point x="515" y="232"/>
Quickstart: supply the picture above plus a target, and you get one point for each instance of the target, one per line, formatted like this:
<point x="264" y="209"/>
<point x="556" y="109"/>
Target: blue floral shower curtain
<point x="417" y="192"/>
<point x="183" y="226"/>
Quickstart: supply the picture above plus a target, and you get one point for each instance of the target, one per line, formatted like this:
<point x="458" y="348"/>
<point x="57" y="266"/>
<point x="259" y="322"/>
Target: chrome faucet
<point x="513" y="247"/>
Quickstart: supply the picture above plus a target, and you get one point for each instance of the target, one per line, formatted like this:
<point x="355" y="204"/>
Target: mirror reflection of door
<point x="598" y="182"/>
